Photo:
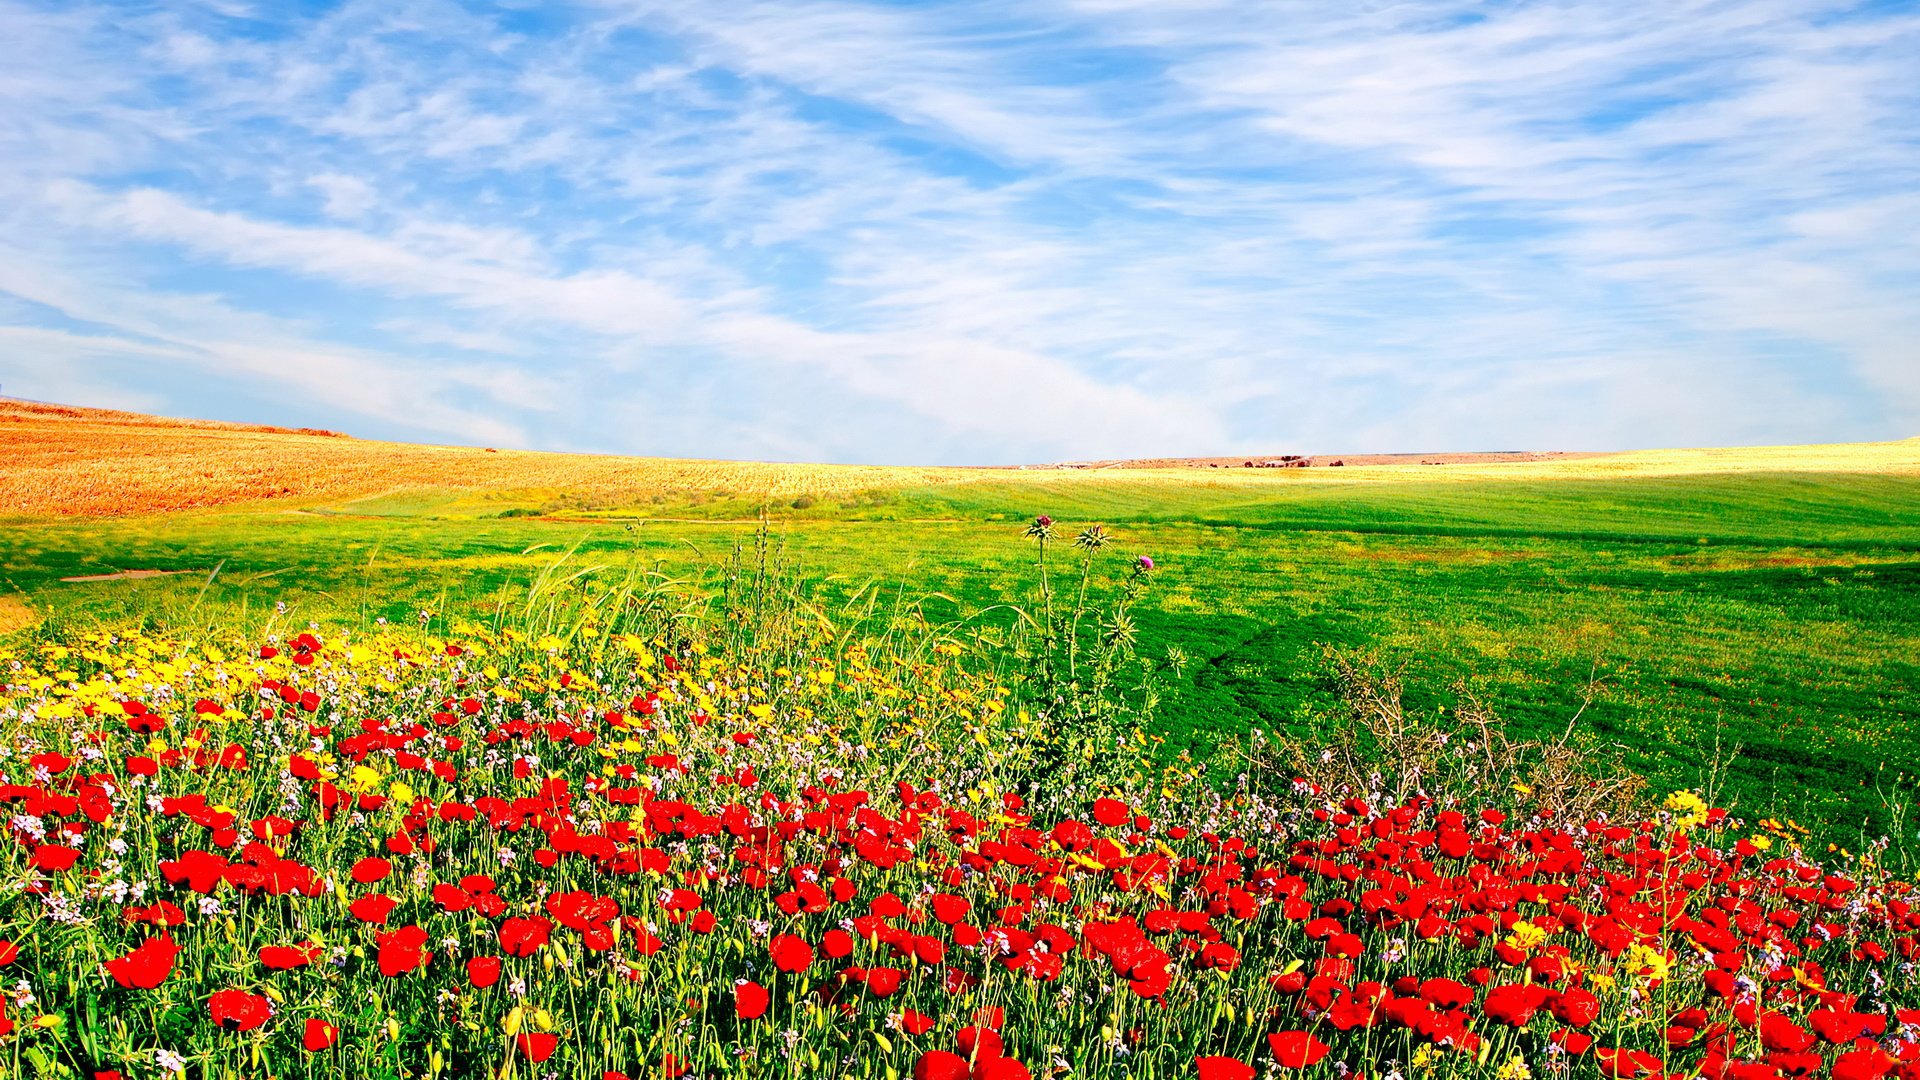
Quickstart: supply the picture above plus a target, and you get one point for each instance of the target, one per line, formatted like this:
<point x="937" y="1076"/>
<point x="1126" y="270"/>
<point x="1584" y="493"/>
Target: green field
<point x="1772" y="619"/>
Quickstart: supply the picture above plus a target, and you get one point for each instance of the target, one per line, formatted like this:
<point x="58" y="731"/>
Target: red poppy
<point x="285" y="957"/>
<point x="1003" y="1069"/>
<point x="790" y="953"/>
<point x="319" y="1035"/>
<point x="1863" y="1063"/>
<point x="1573" y="1042"/>
<point x="237" y="1010"/>
<point x="979" y="1043"/>
<point x="371" y="869"/>
<point x="523" y="936"/>
<point x="403" y="950"/>
<point x="1296" y="1049"/>
<point x="161" y="913"/>
<point x="1223" y="1068"/>
<point x="1515" y="1003"/>
<point x="537" y="1046"/>
<point x="483" y="971"/>
<point x="9" y="952"/>
<point x="1446" y="993"/>
<point x="750" y="1000"/>
<point x="1624" y="1063"/>
<point x="1782" y="1035"/>
<point x="53" y="858"/>
<point x="147" y="966"/>
<point x="951" y="909"/>
<point x="1576" y="1008"/>
<point x="941" y="1065"/>
<point x="373" y="908"/>
<point x="883" y="981"/>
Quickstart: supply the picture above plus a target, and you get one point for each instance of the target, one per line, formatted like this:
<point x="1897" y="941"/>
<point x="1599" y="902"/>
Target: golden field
<point x="70" y="461"/>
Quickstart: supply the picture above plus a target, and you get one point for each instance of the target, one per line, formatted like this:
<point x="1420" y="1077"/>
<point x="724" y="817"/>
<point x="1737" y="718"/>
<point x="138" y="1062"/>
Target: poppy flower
<point x="286" y="957"/>
<point x="1446" y="993"/>
<point x="1223" y="1068"/>
<point x="950" y="909"/>
<point x="524" y="935"/>
<point x="1844" y="1027"/>
<point x="402" y="951"/>
<point x="1863" y="1063"/>
<point x="319" y="1035"/>
<point x="371" y="869"/>
<point x="1576" y="1007"/>
<point x="1624" y="1063"/>
<point x="1781" y="1035"/>
<point x="536" y="1046"/>
<point x="979" y="1043"/>
<point x="1573" y="1042"/>
<point x="1515" y="1003"/>
<point x="941" y="1065"/>
<point x="1296" y="1049"/>
<point x="147" y="966"/>
<point x="750" y="1000"/>
<point x="883" y="981"/>
<point x="9" y="952"/>
<point x="915" y="1023"/>
<point x="373" y="908"/>
<point x="790" y="953"/>
<point x="53" y="858"/>
<point x="237" y="1010"/>
<point x="483" y="971"/>
<point x="159" y="913"/>
<point x="1003" y="1069"/>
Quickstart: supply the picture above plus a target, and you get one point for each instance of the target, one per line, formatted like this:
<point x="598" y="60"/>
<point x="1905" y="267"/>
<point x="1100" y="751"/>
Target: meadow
<point x="1584" y="768"/>
<point x="1746" y="618"/>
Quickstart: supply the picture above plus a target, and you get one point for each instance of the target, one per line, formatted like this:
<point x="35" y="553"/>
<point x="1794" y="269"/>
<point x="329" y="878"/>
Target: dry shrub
<point x="1376" y="749"/>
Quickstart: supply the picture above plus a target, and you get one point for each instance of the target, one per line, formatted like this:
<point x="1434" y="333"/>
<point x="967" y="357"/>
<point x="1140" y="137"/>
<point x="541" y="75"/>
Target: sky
<point x="981" y="232"/>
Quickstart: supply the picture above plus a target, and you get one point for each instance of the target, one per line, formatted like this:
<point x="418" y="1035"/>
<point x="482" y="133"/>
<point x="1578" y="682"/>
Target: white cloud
<point x="990" y="230"/>
<point x="347" y="197"/>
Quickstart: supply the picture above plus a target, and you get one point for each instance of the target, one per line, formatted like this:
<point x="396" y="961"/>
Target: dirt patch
<point x="126" y="575"/>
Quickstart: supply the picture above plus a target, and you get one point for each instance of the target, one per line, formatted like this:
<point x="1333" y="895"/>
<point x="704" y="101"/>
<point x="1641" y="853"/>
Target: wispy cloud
<point x="979" y="231"/>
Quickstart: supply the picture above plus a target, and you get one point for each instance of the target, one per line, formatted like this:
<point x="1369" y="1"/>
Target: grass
<point x="1739" y="623"/>
<point x="1686" y="604"/>
<point x="1778" y="615"/>
<point x="622" y="830"/>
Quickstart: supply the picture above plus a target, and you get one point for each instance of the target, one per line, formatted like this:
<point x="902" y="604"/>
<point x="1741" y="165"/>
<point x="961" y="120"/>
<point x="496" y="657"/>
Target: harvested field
<point x="54" y="455"/>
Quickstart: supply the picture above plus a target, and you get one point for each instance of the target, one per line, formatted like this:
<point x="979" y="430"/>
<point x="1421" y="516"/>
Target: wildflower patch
<point x="618" y="856"/>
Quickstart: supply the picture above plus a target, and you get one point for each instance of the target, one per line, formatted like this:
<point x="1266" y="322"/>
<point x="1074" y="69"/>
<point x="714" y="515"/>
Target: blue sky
<point x="978" y="232"/>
